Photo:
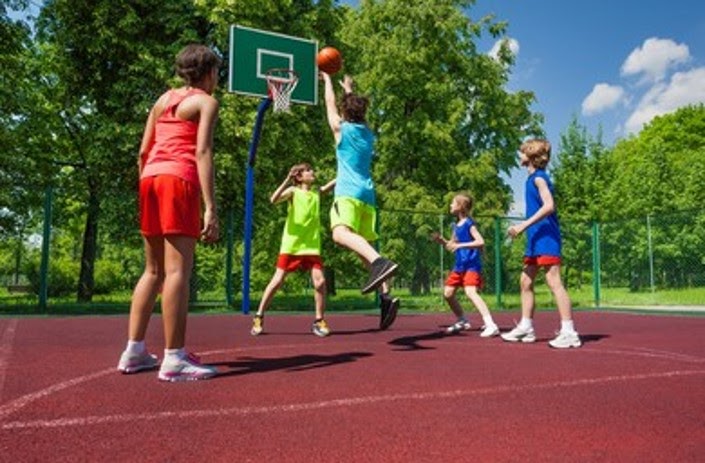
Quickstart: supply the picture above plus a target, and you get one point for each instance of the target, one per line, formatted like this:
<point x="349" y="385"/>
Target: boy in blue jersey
<point x="466" y="242"/>
<point x="543" y="249"/>
<point x="353" y="215"/>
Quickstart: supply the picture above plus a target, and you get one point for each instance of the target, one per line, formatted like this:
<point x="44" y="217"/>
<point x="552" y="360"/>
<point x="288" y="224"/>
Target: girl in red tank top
<point x="176" y="172"/>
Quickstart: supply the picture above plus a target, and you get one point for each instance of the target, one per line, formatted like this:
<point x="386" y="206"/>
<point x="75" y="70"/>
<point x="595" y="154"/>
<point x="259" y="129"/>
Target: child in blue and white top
<point x="543" y="249"/>
<point x="466" y="243"/>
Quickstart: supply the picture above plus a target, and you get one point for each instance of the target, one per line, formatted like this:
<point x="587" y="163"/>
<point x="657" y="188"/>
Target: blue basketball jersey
<point x="543" y="237"/>
<point x="466" y="259"/>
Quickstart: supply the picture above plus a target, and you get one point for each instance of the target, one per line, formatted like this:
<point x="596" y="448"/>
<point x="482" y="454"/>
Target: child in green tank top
<point x="301" y="243"/>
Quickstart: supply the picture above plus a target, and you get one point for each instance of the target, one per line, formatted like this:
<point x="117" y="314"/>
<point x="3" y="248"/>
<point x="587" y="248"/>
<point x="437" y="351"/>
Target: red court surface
<point x="634" y="393"/>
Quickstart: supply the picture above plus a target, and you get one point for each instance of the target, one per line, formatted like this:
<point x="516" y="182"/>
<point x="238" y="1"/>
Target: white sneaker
<point x="132" y="363"/>
<point x="565" y="340"/>
<point x="457" y="327"/>
<point x="520" y="334"/>
<point x="188" y="368"/>
<point x="489" y="331"/>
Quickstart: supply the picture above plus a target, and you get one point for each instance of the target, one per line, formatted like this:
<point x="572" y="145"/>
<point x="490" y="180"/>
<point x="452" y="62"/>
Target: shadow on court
<point x="249" y="365"/>
<point x="408" y="343"/>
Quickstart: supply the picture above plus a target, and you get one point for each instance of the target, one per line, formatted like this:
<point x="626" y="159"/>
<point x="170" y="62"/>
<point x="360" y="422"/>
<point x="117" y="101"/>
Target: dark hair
<point x="354" y="107"/>
<point x="298" y="169"/>
<point x="194" y="62"/>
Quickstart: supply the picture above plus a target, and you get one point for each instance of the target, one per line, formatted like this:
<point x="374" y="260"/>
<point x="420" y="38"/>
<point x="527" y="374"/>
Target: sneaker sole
<point x="491" y="335"/>
<point x="376" y="283"/>
<point x="570" y="346"/>
<point x="386" y="322"/>
<point x="320" y="334"/>
<point x="524" y="339"/>
<point x="182" y="378"/>
<point x="131" y="370"/>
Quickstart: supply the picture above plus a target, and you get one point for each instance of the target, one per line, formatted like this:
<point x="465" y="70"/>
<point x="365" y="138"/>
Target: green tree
<point x="103" y="64"/>
<point x="579" y="177"/>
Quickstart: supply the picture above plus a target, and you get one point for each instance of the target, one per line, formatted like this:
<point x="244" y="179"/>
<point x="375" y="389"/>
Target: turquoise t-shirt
<point x="354" y="155"/>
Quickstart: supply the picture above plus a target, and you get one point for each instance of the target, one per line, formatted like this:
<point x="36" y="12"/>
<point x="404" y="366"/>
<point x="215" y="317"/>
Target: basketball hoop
<point x="281" y="84"/>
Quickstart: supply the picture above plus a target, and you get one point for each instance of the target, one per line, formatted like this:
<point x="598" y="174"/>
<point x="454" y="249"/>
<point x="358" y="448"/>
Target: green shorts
<point x="358" y="216"/>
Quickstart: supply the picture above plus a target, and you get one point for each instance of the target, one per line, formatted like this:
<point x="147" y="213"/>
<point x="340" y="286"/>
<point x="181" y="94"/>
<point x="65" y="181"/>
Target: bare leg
<point x="319" y="285"/>
<point x="178" y="264"/>
<point x="449" y="295"/>
<point x="553" y="279"/>
<point x="345" y="237"/>
<point x="526" y="284"/>
<point x="274" y="284"/>
<point x="147" y="288"/>
<point x="478" y="302"/>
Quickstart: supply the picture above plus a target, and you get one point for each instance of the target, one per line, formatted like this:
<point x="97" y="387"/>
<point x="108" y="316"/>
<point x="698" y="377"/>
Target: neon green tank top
<point x="302" y="231"/>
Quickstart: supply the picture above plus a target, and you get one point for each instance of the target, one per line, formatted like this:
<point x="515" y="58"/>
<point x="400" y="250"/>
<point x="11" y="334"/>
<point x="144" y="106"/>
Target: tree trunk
<point x="86" y="280"/>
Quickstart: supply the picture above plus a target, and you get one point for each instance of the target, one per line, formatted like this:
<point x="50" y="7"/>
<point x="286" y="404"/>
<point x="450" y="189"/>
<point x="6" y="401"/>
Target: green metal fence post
<point x="230" y="221"/>
<point x="498" y="262"/>
<point x="44" y="263"/>
<point x="596" y="262"/>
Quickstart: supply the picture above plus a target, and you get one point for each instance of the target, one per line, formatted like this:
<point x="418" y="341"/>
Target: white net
<point x="281" y="84"/>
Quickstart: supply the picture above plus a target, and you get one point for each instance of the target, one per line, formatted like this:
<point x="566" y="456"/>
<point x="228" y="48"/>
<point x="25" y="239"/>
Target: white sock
<point x="174" y="355"/>
<point x="567" y="326"/>
<point x="135" y="347"/>
<point x="488" y="320"/>
<point x="526" y="324"/>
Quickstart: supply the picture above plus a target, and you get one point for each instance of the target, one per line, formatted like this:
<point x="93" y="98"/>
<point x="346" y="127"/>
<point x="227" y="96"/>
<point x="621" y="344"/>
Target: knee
<point x="319" y="283"/>
<point x="526" y="283"/>
<point x="448" y="294"/>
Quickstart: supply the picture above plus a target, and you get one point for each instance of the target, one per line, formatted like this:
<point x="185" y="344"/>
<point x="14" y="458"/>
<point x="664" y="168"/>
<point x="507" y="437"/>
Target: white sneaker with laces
<point x="520" y="335"/>
<point x="566" y="340"/>
<point x="489" y="331"/>
<point x="188" y="368"/>
<point x="457" y="327"/>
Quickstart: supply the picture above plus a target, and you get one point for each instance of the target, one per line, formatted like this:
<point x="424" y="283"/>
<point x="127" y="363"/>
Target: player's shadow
<point x="586" y="338"/>
<point x="351" y="332"/>
<point x="249" y="365"/>
<point x="410" y="343"/>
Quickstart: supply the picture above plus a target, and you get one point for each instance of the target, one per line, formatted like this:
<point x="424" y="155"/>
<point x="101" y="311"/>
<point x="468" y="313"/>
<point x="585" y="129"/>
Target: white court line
<point x="8" y="337"/>
<point x="15" y="405"/>
<point x="345" y="402"/>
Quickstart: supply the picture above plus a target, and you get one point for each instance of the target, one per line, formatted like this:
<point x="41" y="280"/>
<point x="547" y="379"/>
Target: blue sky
<point x="612" y="64"/>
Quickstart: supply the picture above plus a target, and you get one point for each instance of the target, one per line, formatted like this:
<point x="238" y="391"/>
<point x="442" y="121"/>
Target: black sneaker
<point x="388" y="311"/>
<point x="380" y="271"/>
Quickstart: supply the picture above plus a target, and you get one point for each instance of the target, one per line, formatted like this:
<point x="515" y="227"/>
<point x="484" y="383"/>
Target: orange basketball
<point x="329" y="60"/>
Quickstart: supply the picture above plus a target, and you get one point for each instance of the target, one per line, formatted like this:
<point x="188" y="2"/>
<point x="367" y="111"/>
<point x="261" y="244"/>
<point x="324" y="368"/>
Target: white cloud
<point x="602" y="97"/>
<point x="513" y="45"/>
<point x="684" y="88"/>
<point x="654" y="58"/>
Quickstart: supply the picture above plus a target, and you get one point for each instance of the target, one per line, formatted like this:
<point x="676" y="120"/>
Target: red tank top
<point x="174" y="149"/>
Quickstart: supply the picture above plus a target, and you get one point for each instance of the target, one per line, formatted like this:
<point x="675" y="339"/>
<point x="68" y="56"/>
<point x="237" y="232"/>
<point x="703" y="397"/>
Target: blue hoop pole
<point x="249" y="203"/>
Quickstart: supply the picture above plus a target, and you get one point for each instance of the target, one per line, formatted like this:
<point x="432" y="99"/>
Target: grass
<point x="350" y="300"/>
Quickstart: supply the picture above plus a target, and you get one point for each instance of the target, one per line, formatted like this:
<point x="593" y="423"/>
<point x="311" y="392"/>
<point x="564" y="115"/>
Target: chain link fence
<point x="641" y="261"/>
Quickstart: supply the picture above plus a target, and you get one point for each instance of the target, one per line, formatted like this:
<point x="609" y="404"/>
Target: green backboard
<point x="253" y="52"/>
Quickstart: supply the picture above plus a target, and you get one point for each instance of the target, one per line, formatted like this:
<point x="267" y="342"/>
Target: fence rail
<point x="649" y="260"/>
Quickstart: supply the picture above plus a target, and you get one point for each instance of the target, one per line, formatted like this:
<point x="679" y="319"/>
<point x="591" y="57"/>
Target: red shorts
<point x="292" y="263"/>
<point x="169" y="205"/>
<point x="542" y="261"/>
<point x="464" y="279"/>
